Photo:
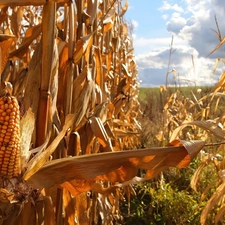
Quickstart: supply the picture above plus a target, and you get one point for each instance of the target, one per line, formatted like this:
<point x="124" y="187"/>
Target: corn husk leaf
<point x="49" y="214"/>
<point x="218" y="46"/>
<point x="206" y="125"/>
<point x="27" y="124"/>
<point x="25" y="2"/>
<point x="43" y="156"/>
<point x="32" y="33"/>
<point x="218" y="194"/>
<point x="196" y="176"/>
<point x="100" y="132"/>
<point x="4" y="50"/>
<point x="220" y="214"/>
<point x="92" y="10"/>
<point x="123" y="133"/>
<point x="82" y="48"/>
<point x="69" y="207"/>
<point x="124" y="8"/>
<point x="120" y="166"/>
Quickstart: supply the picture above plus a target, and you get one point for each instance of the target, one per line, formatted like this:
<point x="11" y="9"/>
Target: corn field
<point x="70" y="65"/>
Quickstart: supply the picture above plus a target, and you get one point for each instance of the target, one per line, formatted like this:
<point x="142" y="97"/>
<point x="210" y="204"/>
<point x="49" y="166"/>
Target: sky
<point x="173" y="39"/>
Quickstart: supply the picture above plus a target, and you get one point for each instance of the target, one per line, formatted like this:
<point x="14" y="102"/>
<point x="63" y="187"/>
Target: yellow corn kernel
<point x="9" y="137"/>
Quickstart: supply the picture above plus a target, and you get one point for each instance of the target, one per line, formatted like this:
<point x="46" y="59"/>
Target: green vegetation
<point x="178" y="196"/>
<point x="186" y="91"/>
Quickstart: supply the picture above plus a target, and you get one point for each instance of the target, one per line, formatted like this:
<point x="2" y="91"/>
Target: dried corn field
<point x="73" y="72"/>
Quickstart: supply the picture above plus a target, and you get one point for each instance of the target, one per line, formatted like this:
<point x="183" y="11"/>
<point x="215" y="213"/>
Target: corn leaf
<point x="218" y="194"/>
<point x="27" y="124"/>
<point x="209" y="126"/>
<point x="82" y="48"/>
<point x="123" y="164"/>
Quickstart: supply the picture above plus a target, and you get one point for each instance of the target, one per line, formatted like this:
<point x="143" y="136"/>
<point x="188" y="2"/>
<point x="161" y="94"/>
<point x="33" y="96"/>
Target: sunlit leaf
<point x="42" y="156"/>
<point x="124" y="8"/>
<point x="219" y="192"/>
<point x="34" y="33"/>
<point x="82" y="47"/>
<point x="218" y="46"/>
<point x="5" y="43"/>
<point x="206" y="125"/>
<point x="27" y="124"/>
<point x="126" y="163"/>
<point x="99" y="131"/>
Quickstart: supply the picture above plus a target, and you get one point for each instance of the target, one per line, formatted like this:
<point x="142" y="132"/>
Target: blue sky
<point x="190" y="23"/>
<point x="148" y="23"/>
<point x="146" y="13"/>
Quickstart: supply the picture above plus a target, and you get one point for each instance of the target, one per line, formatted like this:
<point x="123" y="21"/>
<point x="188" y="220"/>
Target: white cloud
<point x="146" y="45"/>
<point x="190" y="67"/>
<point x="167" y="6"/>
<point x="134" y="23"/>
<point x="165" y="16"/>
<point x="153" y="67"/>
<point x="191" y="24"/>
<point x="197" y="27"/>
<point x="176" y="23"/>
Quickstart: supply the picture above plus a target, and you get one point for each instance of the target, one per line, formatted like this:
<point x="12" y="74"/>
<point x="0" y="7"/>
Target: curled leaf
<point x="209" y="126"/>
<point x="120" y="166"/>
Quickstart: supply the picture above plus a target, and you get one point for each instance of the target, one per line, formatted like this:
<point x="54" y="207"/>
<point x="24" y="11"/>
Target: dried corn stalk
<point x="73" y="70"/>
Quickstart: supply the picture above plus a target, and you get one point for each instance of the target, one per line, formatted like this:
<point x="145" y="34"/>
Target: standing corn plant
<point x="73" y="72"/>
<point x="203" y="118"/>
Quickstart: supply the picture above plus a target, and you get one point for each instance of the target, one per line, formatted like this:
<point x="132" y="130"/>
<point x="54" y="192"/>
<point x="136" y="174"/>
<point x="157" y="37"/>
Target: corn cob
<point x="9" y="136"/>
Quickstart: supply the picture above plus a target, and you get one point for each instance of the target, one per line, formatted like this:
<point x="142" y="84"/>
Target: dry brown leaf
<point x="206" y="125"/>
<point x="33" y="82"/>
<point x="118" y="122"/>
<point x="125" y="69"/>
<point x="220" y="214"/>
<point x="28" y="209"/>
<point x="79" y="83"/>
<point x="124" y="9"/>
<point x="81" y="212"/>
<point x="16" y="19"/>
<point x="4" y="50"/>
<point x="41" y="157"/>
<point x="27" y="124"/>
<point x="126" y="163"/>
<point x="108" y="27"/>
<point x="76" y="187"/>
<point x="109" y="18"/>
<point x="218" y="194"/>
<point x="27" y="2"/>
<point x="100" y="132"/>
<point x="81" y="103"/>
<point x="215" y="67"/>
<point x="217" y="47"/>
<point x="23" y="48"/>
<point x="99" y="79"/>
<point x="123" y="133"/>
<point x="74" y="146"/>
<point x="49" y="214"/>
<point x="196" y="176"/>
<point x="82" y="48"/>
<point x="69" y="206"/>
<point x="205" y="193"/>
<point x="62" y="73"/>
<point x="92" y="10"/>
<point x="3" y="14"/>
